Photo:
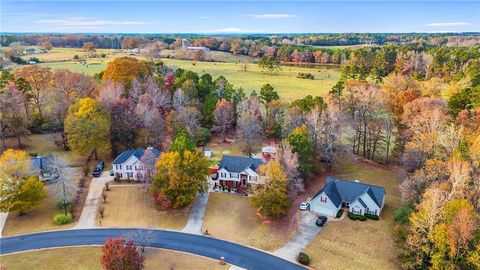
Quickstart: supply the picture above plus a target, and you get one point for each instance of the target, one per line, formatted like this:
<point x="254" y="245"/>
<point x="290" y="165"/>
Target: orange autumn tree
<point x="125" y="69"/>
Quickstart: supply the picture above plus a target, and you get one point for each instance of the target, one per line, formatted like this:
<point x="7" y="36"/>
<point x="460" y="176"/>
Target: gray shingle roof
<point x="349" y="191"/>
<point x="138" y="153"/>
<point x="238" y="164"/>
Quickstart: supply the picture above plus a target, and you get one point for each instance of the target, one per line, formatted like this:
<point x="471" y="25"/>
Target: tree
<point x="89" y="46"/>
<point x="249" y="131"/>
<point x="68" y="88"/>
<point x="40" y="81"/>
<point x="13" y="116"/>
<point x="189" y="119"/>
<point x="268" y="94"/>
<point x="181" y="176"/>
<point x="182" y="141"/>
<point x="223" y="118"/>
<point x="289" y="161"/>
<point x="124" y="124"/>
<point x="125" y="69"/>
<point x="151" y="120"/>
<point x="302" y="145"/>
<point x="88" y="128"/>
<point x="18" y="194"/>
<point x="15" y="163"/>
<point x="64" y="187"/>
<point x="141" y="237"/>
<point x="119" y="254"/>
<point x="272" y="200"/>
<point x="269" y="64"/>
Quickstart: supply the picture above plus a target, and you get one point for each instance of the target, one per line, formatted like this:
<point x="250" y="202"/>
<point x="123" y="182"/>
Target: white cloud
<point x="447" y="24"/>
<point x="82" y="22"/>
<point x="232" y="30"/>
<point x="271" y="16"/>
<point x="205" y="17"/>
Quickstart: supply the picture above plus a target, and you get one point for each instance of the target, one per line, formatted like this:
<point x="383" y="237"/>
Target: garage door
<point x="323" y="210"/>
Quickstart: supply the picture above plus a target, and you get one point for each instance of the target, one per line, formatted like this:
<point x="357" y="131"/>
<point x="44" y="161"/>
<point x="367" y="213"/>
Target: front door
<point x="243" y="178"/>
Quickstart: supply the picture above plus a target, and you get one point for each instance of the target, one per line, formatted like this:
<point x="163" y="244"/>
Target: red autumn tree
<point x="119" y="254"/>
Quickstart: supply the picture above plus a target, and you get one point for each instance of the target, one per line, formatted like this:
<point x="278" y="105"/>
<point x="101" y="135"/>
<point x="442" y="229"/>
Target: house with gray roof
<point x="359" y="198"/>
<point x="239" y="172"/>
<point x="135" y="164"/>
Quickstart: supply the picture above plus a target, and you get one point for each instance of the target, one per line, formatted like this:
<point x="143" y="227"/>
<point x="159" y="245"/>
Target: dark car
<point x="98" y="169"/>
<point x="321" y="220"/>
<point x="100" y="166"/>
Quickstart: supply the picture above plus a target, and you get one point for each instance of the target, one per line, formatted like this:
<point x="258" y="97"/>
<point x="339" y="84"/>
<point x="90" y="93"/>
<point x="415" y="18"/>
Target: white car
<point x="304" y="206"/>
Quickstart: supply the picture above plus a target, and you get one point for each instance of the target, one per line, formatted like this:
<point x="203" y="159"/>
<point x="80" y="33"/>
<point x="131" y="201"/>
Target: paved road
<point x="235" y="254"/>
<point x="89" y="211"/>
<point x="307" y="231"/>
<point x="197" y="213"/>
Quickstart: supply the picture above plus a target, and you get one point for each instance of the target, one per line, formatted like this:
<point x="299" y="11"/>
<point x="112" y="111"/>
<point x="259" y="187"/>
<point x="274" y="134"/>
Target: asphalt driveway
<point x="235" y="254"/>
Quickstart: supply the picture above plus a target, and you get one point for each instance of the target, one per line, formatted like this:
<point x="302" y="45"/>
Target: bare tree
<point x="180" y="100"/>
<point x="148" y="160"/>
<point x="151" y="120"/>
<point x="109" y="92"/>
<point x="64" y="187"/>
<point x="249" y="131"/>
<point x="223" y="118"/>
<point x="289" y="161"/>
<point x="13" y="116"/>
<point x="141" y="237"/>
<point x="189" y="119"/>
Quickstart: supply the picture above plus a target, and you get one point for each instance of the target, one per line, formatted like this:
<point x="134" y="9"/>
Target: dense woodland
<point x="414" y="105"/>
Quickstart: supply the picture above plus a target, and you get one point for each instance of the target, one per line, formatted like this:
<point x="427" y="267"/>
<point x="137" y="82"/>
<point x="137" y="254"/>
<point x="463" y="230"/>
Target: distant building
<point x="34" y="51"/>
<point x="186" y="46"/>
<point x="207" y="152"/>
<point x="39" y="165"/>
<point x="269" y="152"/>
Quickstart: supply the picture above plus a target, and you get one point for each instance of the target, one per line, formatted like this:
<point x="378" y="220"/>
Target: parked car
<point x="304" y="206"/>
<point x="111" y="173"/>
<point x="100" y="166"/>
<point x="321" y="220"/>
<point x="96" y="173"/>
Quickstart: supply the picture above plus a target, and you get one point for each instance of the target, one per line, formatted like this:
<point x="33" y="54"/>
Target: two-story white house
<point x="238" y="172"/>
<point x="129" y="165"/>
<point x="358" y="197"/>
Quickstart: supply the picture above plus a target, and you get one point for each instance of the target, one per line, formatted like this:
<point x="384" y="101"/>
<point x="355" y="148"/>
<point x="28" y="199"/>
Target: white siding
<point x="356" y="207"/>
<point x="323" y="205"/>
<point x="371" y="205"/>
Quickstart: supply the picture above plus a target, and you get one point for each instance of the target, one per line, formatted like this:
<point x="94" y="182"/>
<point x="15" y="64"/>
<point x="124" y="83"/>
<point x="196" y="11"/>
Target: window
<point x="130" y="175"/>
<point x="234" y="184"/>
<point x="120" y="166"/>
<point x="322" y="199"/>
<point x="135" y="168"/>
<point x="223" y="175"/>
<point x="129" y="167"/>
<point x="253" y="178"/>
<point x="233" y="175"/>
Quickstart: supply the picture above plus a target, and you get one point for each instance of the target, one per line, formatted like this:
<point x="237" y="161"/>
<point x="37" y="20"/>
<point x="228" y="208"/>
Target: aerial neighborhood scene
<point x="239" y="135"/>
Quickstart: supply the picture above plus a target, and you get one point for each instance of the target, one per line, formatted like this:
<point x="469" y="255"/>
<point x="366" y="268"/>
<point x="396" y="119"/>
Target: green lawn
<point x="285" y="82"/>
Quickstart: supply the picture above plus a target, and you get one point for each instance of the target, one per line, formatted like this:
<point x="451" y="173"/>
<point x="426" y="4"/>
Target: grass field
<point x="88" y="258"/>
<point x="360" y="245"/>
<point x="231" y="217"/>
<point x="285" y="82"/>
<point x="132" y="206"/>
<point x="40" y="218"/>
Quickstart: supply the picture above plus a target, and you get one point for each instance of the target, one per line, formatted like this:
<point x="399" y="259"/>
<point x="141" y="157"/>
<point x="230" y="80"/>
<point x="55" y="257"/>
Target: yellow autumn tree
<point x="125" y="69"/>
<point x="18" y="194"/>
<point x="15" y="163"/>
<point x="88" y="128"/>
<point x="272" y="200"/>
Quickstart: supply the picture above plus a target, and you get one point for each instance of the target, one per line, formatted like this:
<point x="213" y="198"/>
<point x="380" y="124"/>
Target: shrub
<point x="223" y="188"/>
<point x="402" y="215"/>
<point x="339" y="213"/>
<point x="18" y="60"/>
<point x="352" y="216"/>
<point x="75" y="57"/>
<point x="61" y="219"/>
<point x="302" y="75"/>
<point x="229" y="189"/>
<point x="361" y="218"/>
<point x="370" y="216"/>
<point x="103" y="55"/>
<point x="303" y="258"/>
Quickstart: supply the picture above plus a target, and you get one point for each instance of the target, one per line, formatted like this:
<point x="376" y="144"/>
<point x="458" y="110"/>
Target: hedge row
<point x="353" y="216"/>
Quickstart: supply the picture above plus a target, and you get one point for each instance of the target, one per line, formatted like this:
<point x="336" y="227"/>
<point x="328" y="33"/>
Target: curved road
<point x="235" y="254"/>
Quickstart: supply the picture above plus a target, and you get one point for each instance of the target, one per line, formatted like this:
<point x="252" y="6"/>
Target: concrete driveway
<point x="243" y="256"/>
<point x="307" y="231"/>
<point x="89" y="211"/>
<point x="197" y="213"/>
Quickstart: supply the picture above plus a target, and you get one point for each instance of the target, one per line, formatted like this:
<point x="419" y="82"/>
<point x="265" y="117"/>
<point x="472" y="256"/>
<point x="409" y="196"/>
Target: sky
<point x="217" y="17"/>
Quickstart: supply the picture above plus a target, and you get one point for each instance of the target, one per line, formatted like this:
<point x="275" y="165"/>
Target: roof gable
<point x="138" y="153"/>
<point x="238" y="164"/>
